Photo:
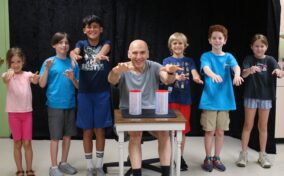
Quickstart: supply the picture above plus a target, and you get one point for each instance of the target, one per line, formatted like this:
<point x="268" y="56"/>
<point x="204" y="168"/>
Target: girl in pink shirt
<point x="19" y="107"/>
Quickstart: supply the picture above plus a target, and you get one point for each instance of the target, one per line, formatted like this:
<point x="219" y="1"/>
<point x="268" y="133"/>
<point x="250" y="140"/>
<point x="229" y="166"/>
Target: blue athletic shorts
<point x="94" y="110"/>
<point x="257" y="103"/>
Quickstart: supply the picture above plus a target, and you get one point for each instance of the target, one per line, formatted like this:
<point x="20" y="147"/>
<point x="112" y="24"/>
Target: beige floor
<point x="194" y="155"/>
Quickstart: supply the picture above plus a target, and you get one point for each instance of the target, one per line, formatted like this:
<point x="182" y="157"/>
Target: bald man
<point x="140" y="73"/>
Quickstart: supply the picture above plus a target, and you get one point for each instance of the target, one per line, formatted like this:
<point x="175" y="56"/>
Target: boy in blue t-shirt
<point x="94" y="104"/>
<point x="179" y="91"/>
<point x="218" y="96"/>
<point x="60" y="79"/>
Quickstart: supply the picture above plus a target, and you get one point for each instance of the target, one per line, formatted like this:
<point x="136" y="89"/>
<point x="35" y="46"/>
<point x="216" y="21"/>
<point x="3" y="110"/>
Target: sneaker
<point x="91" y="172"/>
<point x="243" y="159"/>
<point x="55" y="172"/>
<point x="218" y="164"/>
<point x="100" y="171"/>
<point x="207" y="164"/>
<point x="183" y="165"/>
<point x="67" y="168"/>
<point x="264" y="161"/>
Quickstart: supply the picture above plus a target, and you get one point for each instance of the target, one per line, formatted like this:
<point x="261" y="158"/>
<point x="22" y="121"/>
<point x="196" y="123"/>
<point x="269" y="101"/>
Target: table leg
<point x="121" y="142"/>
<point x="178" y="155"/>
<point x="172" y="133"/>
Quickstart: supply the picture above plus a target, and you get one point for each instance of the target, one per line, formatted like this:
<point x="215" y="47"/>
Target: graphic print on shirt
<point x="261" y="66"/>
<point x="89" y="56"/>
<point x="186" y="71"/>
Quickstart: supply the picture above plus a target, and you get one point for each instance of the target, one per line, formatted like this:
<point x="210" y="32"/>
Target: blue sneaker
<point x="207" y="164"/>
<point x="218" y="164"/>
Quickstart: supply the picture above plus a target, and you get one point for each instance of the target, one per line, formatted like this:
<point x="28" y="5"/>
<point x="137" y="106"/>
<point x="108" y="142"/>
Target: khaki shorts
<point x="212" y="120"/>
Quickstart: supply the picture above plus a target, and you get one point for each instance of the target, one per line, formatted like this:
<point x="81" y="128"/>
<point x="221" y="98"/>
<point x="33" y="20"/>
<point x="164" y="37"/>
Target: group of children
<point x="89" y="63"/>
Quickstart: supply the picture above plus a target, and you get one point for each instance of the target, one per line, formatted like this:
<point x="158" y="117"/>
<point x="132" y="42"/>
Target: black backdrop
<point x="33" y="22"/>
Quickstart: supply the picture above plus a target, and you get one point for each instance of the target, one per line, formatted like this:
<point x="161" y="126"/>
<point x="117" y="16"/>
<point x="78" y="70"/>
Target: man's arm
<point x="115" y="73"/>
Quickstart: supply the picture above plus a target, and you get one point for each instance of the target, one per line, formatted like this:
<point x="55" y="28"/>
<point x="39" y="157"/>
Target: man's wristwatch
<point x="170" y="73"/>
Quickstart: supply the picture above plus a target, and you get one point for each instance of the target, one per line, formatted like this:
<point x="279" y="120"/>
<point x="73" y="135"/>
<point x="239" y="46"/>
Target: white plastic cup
<point x="135" y="102"/>
<point x="162" y="101"/>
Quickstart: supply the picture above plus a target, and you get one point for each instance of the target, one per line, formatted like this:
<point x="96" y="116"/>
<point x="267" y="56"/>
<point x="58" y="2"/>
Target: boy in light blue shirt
<point x="218" y="96"/>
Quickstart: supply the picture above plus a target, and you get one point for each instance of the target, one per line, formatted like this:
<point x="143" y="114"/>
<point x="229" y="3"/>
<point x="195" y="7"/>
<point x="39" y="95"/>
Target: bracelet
<point x="170" y="73"/>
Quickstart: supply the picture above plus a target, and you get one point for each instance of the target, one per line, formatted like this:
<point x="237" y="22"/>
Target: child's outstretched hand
<point x="49" y="63"/>
<point x="74" y="57"/>
<point x="8" y="75"/>
<point x="170" y="68"/>
<point x="216" y="78"/>
<point x="180" y="77"/>
<point x="197" y="80"/>
<point x="69" y="74"/>
<point x="34" y="77"/>
<point x="277" y="72"/>
<point x="238" y="80"/>
<point x="100" y="57"/>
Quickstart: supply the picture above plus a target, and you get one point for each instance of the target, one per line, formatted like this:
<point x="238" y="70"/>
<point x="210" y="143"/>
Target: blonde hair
<point x="177" y="36"/>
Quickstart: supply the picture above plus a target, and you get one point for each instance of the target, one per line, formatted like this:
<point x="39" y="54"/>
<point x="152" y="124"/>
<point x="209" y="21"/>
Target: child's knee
<point x="219" y="133"/>
<point x="27" y="144"/>
<point x="18" y="144"/>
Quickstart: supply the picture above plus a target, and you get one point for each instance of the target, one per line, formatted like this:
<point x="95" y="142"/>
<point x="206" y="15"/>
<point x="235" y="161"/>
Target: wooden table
<point x="151" y="124"/>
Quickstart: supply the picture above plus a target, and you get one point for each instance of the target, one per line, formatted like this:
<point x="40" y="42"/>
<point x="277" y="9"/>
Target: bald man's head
<point x="138" y="53"/>
<point x="139" y="43"/>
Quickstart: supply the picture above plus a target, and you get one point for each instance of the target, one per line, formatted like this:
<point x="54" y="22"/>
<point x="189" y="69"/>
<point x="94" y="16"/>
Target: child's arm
<point x="43" y="78"/>
<point x="8" y="75"/>
<point x="102" y="55"/>
<point x="238" y="80"/>
<point x="34" y="78"/>
<point x="216" y="78"/>
<point x="196" y="76"/>
<point x="70" y="74"/>
<point x="75" y="55"/>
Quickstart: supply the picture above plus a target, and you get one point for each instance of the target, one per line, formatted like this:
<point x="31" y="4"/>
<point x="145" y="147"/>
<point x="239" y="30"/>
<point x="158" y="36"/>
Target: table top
<point x="119" y="119"/>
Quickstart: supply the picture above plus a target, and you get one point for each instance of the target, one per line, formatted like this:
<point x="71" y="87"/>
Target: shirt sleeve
<point x="274" y="63"/>
<point x="192" y="65"/>
<point x="246" y="63"/>
<point x="233" y="61"/>
<point x="165" y="61"/>
<point x="42" y="68"/>
<point x="204" y="61"/>
<point x="79" y="44"/>
<point x="29" y="74"/>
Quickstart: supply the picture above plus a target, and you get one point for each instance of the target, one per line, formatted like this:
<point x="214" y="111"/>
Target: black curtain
<point x="32" y="23"/>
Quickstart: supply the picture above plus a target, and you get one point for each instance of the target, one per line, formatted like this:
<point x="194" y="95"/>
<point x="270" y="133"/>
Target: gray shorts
<point x="257" y="103"/>
<point x="61" y="122"/>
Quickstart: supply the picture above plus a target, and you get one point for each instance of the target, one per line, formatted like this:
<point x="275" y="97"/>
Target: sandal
<point x="30" y="173"/>
<point x="20" y="173"/>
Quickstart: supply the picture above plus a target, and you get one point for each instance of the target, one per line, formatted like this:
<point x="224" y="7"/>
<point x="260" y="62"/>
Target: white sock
<point x="89" y="159"/>
<point x="99" y="159"/>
